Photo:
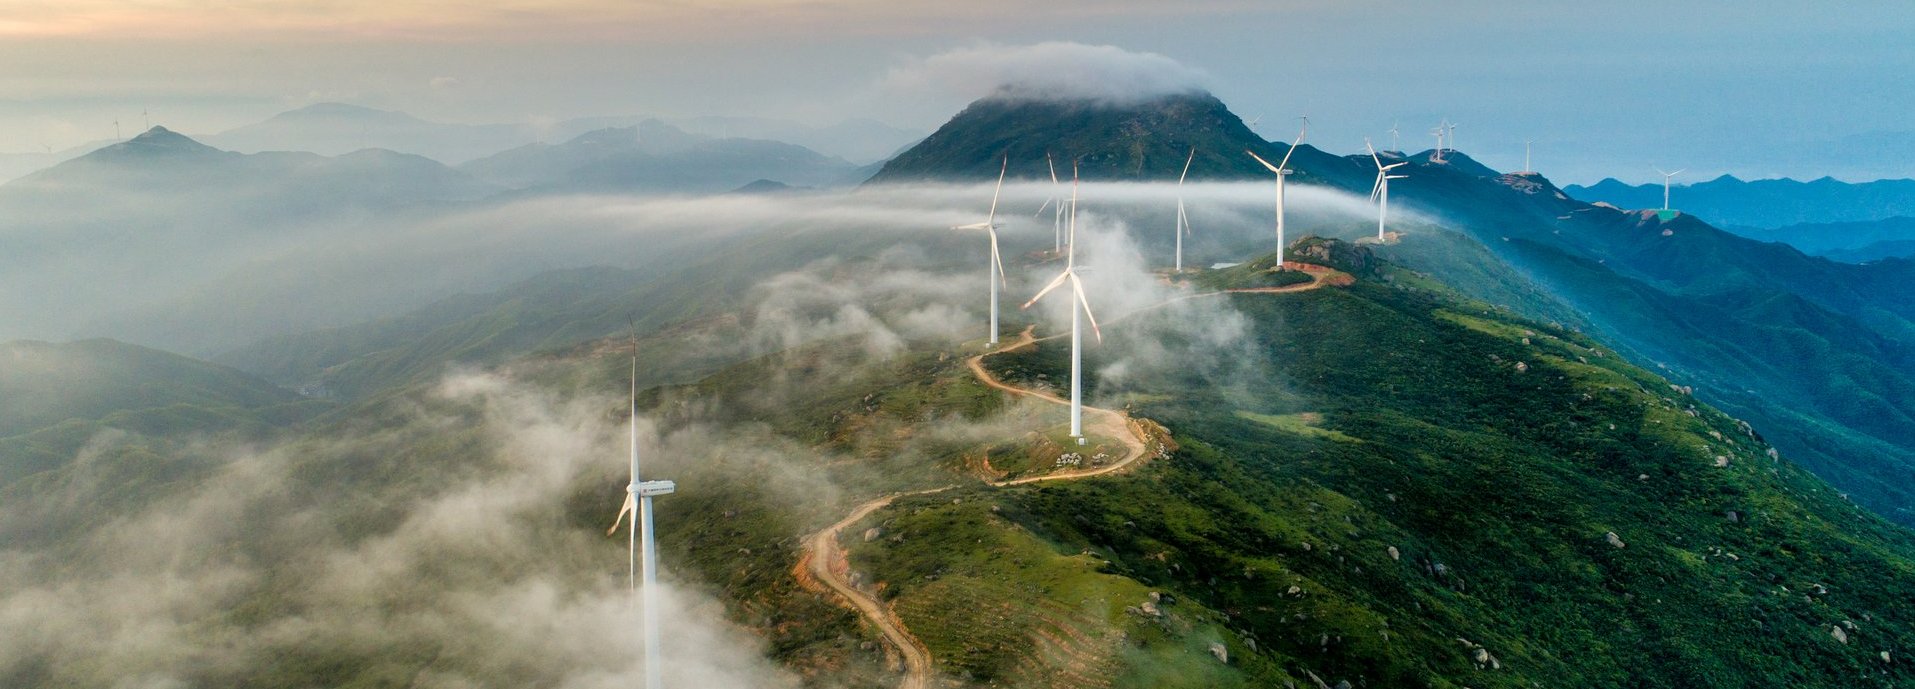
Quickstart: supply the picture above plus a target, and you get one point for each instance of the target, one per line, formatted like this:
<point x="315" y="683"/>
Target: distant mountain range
<point x="1850" y="242"/>
<point x="1765" y="203"/>
<point x="656" y="157"/>
<point x="135" y="221"/>
<point x="337" y="128"/>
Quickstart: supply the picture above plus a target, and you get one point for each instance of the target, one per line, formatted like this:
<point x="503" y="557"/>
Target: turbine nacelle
<point x="646" y="489"/>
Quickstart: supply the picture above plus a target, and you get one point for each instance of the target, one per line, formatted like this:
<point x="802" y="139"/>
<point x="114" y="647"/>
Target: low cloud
<point x="1047" y="71"/>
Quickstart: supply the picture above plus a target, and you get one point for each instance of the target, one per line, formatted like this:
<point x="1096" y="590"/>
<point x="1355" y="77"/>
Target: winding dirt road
<point x="825" y="562"/>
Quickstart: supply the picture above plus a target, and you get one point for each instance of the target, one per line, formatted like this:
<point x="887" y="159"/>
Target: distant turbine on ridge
<point x="1282" y="170"/>
<point x="1080" y="309"/>
<point x="1666" y="176"/>
<point x="1381" y="192"/>
<point x="644" y="544"/>
<point x="1527" y="170"/>
<point x="1393" y="136"/>
<point x="989" y="225"/>
<point x="1183" y="221"/>
<point x="1057" y="215"/>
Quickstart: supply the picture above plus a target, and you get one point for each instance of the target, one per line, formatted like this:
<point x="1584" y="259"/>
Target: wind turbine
<point x="1450" y="139"/>
<point x="1057" y="215"/>
<point x="1436" y="156"/>
<point x="1527" y="170"/>
<point x="990" y="226"/>
<point x="1381" y="192"/>
<point x="1393" y="136"/>
<point x="1282" y="170"/>
<point x="644" y="544"/>
<point x="1666" y="176"/>
<point x="1183" y="221"/>
<point x="1080" y="310"/>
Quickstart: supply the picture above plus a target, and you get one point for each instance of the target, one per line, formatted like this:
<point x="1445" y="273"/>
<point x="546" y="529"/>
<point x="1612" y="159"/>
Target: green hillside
<point x="1421" y="478"/>
<point x="55" y="397"/>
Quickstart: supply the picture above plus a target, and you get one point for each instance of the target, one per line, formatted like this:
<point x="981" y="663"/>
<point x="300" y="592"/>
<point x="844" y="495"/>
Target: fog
<point x="201" y="276"/>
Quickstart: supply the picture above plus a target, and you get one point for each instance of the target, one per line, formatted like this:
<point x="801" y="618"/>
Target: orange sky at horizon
<point x="520" y="20"/>
<point x="380" y="19"/>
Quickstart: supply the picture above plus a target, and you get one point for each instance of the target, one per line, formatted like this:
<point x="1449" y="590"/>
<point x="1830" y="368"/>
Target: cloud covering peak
<point x="1049" y="71"/>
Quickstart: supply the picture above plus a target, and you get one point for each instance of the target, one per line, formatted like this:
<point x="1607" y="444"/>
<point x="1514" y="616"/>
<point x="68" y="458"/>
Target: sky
<point x="1752" y="88"/>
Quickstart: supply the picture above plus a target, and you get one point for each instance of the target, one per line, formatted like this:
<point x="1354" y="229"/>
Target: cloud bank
<point x="1048" y="71"/>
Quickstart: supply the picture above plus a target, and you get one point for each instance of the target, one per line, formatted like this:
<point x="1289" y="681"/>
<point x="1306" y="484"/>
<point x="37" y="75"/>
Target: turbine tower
<point x="1183" y="221"/>
<point x="989" y="225"/>
<point x="1436" y="156"/>
<point x="1527" y="170"/>
<point x="1282" y="170"/>
<point x="1666" y="176"/>
<point x="644" y="543"/>
<point x="1080" y="310"/>
<point x="1381" y="192"/>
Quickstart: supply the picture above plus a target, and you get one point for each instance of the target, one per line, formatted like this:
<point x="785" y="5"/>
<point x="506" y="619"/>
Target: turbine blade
<point x="1266" y="163"/>
<point x="1372" y="149"/>
<point x="1187" y="161"/>
<point x="620" y="519"/>
<point x="1000" y="188"/>
<point x="1396" y="165"/>
<point x="998" y="261"/>
<point x="1077" y="288"/>
<point x="1040" y="209"/>
<point x="1053" y="164"/>
<point x="1059" y="280"/>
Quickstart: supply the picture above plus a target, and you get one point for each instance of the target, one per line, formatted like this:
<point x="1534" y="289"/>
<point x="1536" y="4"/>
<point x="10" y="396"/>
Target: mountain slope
<point x="55" y="397"/>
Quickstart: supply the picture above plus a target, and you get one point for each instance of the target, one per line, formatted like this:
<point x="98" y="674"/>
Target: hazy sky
<point x="1606" y="88"/>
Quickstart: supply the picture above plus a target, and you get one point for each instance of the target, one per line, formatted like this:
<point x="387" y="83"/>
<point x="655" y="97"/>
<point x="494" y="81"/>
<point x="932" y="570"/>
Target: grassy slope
<point x="55" y="397"/>
<point x="1495" y="483"/>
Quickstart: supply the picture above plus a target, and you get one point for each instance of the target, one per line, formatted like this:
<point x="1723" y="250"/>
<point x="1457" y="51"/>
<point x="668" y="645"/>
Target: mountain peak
<point x="1146" y="139"/>
<point x="157" y="141"/>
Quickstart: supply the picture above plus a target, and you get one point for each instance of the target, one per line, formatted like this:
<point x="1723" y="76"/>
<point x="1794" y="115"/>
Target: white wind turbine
<point x="644" y="544"/>
<point x="1381" y="192"/>
<point x="1527" y="170"/>
<point x="1282" y="170"/>
<point x="990" y="226"/>
<point x="1080" y="310"/>
<point x="1057" y="215"/>
<point x="1666" y="176"/>
<point x="1393" y="136"/>
<point x="1436" y="156"/>
<point x="1183" y="221"/>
